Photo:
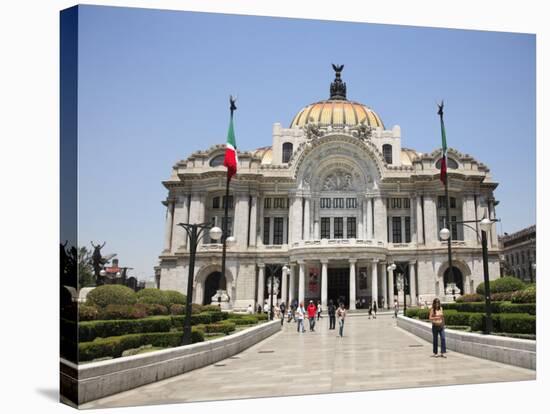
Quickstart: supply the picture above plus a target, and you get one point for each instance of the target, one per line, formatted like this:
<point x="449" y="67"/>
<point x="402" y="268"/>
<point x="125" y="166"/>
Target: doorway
<point x="338" y="286"/>
<point x="212" y="284"/>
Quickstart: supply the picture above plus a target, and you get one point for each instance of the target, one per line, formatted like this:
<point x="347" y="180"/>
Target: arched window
<point x="287" y="151"/>
<point x="217" y="160"/>
<point x="387" y="152"/>
<point x="451" y="164"/>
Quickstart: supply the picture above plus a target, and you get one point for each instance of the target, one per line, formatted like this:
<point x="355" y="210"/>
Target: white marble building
<point x="336" y="198"/>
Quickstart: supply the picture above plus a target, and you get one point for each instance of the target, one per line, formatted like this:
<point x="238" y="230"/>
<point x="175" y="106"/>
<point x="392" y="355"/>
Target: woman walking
<point x="341" y="314"/>
<point x="438" y="327"/>
<point x="374" y="309"/>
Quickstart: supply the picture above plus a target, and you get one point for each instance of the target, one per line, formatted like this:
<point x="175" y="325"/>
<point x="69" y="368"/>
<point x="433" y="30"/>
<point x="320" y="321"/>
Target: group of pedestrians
<point x="298" y="313"/>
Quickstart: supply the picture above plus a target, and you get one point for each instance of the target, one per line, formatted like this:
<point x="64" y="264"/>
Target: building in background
<point x="336" y="198"/>
<point x="519" y="254"/>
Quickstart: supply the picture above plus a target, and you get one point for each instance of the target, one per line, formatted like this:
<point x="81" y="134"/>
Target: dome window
<point x="217" y="160"/>
<point x="451" y="164"/>
<point x="387" y="153"/>
<point x="287" y="151"/>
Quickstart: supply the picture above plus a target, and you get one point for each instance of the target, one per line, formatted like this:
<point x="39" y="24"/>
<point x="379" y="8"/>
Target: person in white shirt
<point x="249" y="310"/>
<point x="300" y="316"/>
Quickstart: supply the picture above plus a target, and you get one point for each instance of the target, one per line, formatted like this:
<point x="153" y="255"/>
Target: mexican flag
<point x="231" y="161"/>
<point x="443" y="169"/>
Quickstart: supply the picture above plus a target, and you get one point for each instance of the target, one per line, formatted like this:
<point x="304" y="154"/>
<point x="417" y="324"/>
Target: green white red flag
<point x="231" y="160"/>
<point x="443" y="169"/>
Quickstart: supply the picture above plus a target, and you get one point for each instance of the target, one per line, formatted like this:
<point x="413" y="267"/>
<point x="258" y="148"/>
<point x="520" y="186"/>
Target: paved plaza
<point x="374" y="354"/>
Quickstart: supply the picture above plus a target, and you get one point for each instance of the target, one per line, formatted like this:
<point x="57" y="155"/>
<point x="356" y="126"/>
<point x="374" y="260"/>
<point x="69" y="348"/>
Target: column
<point x="168" y="225"/>
<point x="370" y="228"/>
<point x="390" y="283"/>
<point x="240" y="223"/>
<point x="301" y="281"/>
<point x="374" y="281"/>
<point x="419" y="221"/>
<point x="430" y="221"/>
<point x="291" y="284"/>
<point x="381" y="221"/>
<point x="307" y="222"/>
<point x="284" y="286"/>
<point x="352" y="295"/>
<point x="361" y="220"/>
<point x="324" y="283"/>
<point x="412" y="281"/>
<point x="384" y="284"/>
<point x="467" y="281"/>
<point x="181" y="215"/>
<point x="469" y="213"/>
<point x="261" y="284"/>
<point x="260" y="222"/>
<point x="295" y="214"/>
<point x="412" y="213"/>
<point x="253" y="221"/>
<point x="229" y="290"/>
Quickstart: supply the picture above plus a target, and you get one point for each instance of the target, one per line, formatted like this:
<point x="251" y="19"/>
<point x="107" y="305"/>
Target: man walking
<point x="311" y="313"/>
<point x="300" y="315"/>
<point x="395" y="308"/>
<point x="282" y="308"/>
<point x="331" y="315"/>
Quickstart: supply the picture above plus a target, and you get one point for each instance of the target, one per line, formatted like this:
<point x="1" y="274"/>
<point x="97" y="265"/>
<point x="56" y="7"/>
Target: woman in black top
<point x="331" y="315"/>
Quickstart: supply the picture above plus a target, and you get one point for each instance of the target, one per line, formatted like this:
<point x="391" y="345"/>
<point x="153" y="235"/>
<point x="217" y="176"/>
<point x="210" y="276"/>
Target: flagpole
<point x="225" y="223"/>
<point x="447" y="211"/>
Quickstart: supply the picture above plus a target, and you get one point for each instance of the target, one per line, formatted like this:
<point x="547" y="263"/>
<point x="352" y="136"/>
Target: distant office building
<point x="519" y="254"/>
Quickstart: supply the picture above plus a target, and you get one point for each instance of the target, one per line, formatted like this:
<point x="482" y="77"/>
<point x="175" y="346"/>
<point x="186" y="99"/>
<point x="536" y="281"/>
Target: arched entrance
<point x="213" y="282"/>
<point x="455" y="276"/>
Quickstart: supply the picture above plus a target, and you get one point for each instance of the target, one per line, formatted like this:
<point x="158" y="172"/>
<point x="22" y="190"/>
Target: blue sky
<point x="154" y="85"/>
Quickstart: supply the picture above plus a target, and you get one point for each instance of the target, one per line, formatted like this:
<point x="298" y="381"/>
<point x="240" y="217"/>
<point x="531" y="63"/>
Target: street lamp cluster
<point x="485" y="225"/>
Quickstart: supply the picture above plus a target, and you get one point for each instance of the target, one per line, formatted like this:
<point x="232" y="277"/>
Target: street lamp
<point x="485" y="225"/>
<point x="195" y="233"/>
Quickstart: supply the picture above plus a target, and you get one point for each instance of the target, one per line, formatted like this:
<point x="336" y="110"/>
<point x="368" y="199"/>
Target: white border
<point x="29" y="207"/>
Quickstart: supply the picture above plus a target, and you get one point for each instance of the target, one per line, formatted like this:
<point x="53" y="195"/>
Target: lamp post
<point x="195" y="233"/>
<point x="485" y="224"/>
<point x="273" y="268"/>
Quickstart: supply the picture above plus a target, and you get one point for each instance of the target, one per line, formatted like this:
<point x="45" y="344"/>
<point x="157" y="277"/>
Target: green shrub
<point x="477" y="322"/>
<point x="154" y="309"/>
<point x="503" y="284"/>
<point x="225" y="327"/>
<point x="457" y="318"/>
<point x="260" y="316"/>
<point x="87" y="313"/>
<point x="518" y="323"/>
<point x="116" y="345"/>
<point x="105" y="295"/>
<point x="507" y="307"/>
<point x="412" y="312"/>
<point x="246" y="320"/>
<point x="90" y="330"/>
<point x="177" y="309"/>
<point x="210" y="308"/>
<point x="152" y="296"/>
<point x="122" y="312"/>
<point x="173" y="297"/>
<point x="470" y="297"/>
<point x="200" y="318"/>
<point x="527" y="295"/>
<point x="217" y="316"/>
<point x="472" y="307"/>
<point x="195" y="308"/>
<point x="502" y="296"/>
<point x="423" y="314"/>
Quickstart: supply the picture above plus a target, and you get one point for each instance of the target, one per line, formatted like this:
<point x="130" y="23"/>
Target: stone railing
<point x="87" y="382"/>
<point x="337" y="243"/>
<point x="512" y="351"/>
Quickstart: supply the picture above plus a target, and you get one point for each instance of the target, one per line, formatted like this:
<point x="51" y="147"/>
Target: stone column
<point x="301" y="281"/>
<point x="295" y="216"/>
<point x="419" y="222"/>
<point x="467" y="282"/>
<point x="324" y="282"/>
<point x="253" y="223"/>
<point x="412" y="213"/>
<point x="181" y="215"/>
<point x="430" y="221"/>
<point x="352" y="295"/>
<point x="240" y="222"/>
<point x="390" y="283"/>
<point x="384" y="275"/>
<point x="307" y="221"/>
<point x="370" y="228"/>
<point x="291" y="284"/>
<point x="412" y="281"/>
<point x="260" y="222"/>
<point x="284" y="287"/>
<point x="469" y="213"/>
<point x="380" y="218"/>
<point x="374" y="282"/>
<point x="168" y="225"/>
<point x="261" y="284"/>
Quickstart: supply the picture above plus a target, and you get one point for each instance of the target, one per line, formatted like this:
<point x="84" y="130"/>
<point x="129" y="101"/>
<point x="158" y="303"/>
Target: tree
<point x="86" y="276"/>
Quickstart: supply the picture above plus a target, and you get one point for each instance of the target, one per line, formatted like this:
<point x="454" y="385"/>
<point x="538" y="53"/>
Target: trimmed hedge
<point x="153" y="296"/>
<point x="87" y="313"/>
<point x="210" y="308"/>
<point x="496" y="307"/>
<point x="518" y="323"/>
<point x="527" y="295"/>
<point x="177" y="309"/>
<point x="470" y="297"/>
<point x="529" y="308"/>
<point x="111" y="295"/>
<point x="503" y="284"/>
<point x="114" y="346"/>
<point x="261" y="317"/>
<point x="122" y="312"/>
<point x="173" y="297"/>
<point x="247" y="320"/>
<point x="88" y="331"/>
<point x="225" y="327"/>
